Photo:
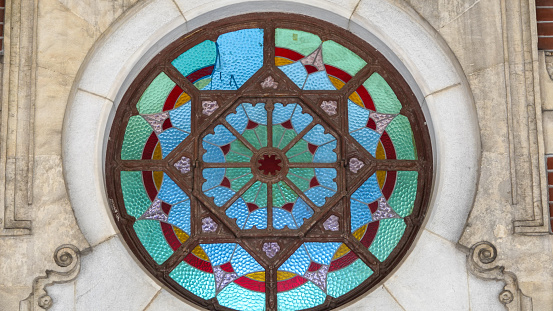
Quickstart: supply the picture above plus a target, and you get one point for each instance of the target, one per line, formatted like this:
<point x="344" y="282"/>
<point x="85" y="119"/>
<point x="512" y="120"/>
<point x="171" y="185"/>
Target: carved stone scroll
<point x="68" y="258"/>
<point x="480" y="263"/>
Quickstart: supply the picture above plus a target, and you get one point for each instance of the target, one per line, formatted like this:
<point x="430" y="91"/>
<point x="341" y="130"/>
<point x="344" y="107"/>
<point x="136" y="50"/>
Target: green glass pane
<point x="234" y="157"/>
<point x="301" y="177"/>
<point x="337" y="55"/>
<point x="251" y="194"/>
<point x="302" y="42"/>
<point x="389" y="233"/>
<point x="289" y="194"/>
<point x="262" y="196"/>
<point x="278" y="198"/>
<point x="256" y="137"/>
<point x="304" y="297"/>
<point x="136" y="134"/>
<point x="200" y="56"/>
<point x="200" y="84"/>
<point x="342" y="281"/>
<point x="154" y="97"/>
<point x="402" y="137"/>
<point x="404" y="194"/>
<point x="134" y="194"/>
<point x="150" y="235"/>
<point x="384" y="98"/>
<point x="239" y="181"/>
<point x="238" y="147"/>
<point x="282" y="137"/>
<point x="201" y="284"/>
<point x="300" y="153"/>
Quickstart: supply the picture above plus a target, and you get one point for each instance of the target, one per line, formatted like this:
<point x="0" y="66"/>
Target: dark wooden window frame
<point x="287" y="91"/>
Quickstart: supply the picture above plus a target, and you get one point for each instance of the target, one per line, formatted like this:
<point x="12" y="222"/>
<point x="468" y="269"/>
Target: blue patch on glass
<point x="326" y="153"/>
<point x="221" y="137"/>
<point x="360" y="215"/>
<point x="301" y="211"/>
<point x="296" y="72"/>
<point x="282" y="113"/>
<point x="170" y="192"/>
<point x="369" y="191"/>
<point x="218" y="253"/>
<point x="357" y="116"/>
<point x="170" y="139"/>
<point x="322" y="252"/>
<point x="318" y="81"/>
<point x="213" y="154"/>
<point x="213" y="176"/>
<point x="283" y="218"/>
<point x="220" y="194"/>
<point x="239" y="211"/>
<point x="256" y="113"/>
<point x="318" y="195"/>
<point x="317" y="136"/>
<point x="300" y="120"/>
<point x="243" y="263"/>
<point x="326" y="177"/>
<point x="180" y="216"/>
<point x="180" y="117"/>
<point x="298" y="263"/>
<point x="258" y="218"/>
<point x="367" y="138"/>
<point x="238" y="120"/>
<point x="239" y="56"/>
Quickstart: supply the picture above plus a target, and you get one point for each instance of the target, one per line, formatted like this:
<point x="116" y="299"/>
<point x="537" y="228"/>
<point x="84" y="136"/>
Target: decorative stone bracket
<point x="480" y="263"/>
<point x="68" y="258"/>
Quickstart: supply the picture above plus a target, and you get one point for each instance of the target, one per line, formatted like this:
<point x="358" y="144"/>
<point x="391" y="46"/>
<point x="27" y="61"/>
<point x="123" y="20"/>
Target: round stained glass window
<point x="269" y="162"/>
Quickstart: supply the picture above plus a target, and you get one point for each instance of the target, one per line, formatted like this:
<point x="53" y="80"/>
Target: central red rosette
<point x="269" y="164"/>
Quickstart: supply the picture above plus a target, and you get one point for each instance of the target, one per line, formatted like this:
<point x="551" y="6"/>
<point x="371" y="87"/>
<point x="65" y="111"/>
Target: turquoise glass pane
<point x="199" y="283"/>
<point x="150" y="235"/>
<point x="403" y="197"/>
<point x="238" y="298"/>
<point x="303" y="297"/>
<point x="135" y="196"/>
<point x="389" y="233"/>
<point x="342" y="281"/>
<point x="402" y="137"/>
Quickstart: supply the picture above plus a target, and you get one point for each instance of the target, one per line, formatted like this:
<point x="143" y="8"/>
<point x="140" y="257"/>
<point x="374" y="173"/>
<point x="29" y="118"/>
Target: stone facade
<point x="474" y="65"/>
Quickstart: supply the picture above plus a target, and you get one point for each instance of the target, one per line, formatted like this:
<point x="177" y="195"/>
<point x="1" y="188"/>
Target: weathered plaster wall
<point x="434" y="277"/>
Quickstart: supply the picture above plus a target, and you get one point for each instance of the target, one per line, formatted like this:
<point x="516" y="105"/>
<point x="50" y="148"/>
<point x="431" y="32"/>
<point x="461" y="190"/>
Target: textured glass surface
<point x="282" y="164"/>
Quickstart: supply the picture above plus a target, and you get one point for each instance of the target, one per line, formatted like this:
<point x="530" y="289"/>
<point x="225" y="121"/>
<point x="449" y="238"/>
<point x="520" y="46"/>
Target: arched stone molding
<point x="409" y="43"/>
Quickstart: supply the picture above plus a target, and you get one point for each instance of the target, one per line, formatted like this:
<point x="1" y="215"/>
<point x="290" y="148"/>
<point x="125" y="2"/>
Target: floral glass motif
<point x="261" y="168"/>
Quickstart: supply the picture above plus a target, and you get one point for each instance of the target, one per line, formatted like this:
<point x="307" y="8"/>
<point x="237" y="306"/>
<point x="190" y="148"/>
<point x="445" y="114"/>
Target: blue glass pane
<point x="318" y="195"/>
<point x="180" y="216"/>
<point x="243" y="263"/>
<point x="283" y="218"/>
<point x="301" y="211"/>
<point x="256" y="113"/>
<point x="369" y="191"/>
<point x="298" y="263"/>
<point x="316" y="136"/>
<point x="221" y="137"/>
<point x="300" y="120"/>
<point x="296" y="72"/>
<point x="213" y="153"/>
<point x="258" y="218"/>
<point x="322" y="252"/>
<point x="170" y="139"/>
<point x="213" y="176"/>
<point x="360" y="214"/>
<point x="326" y="177"/>
<point x="283" y="113"/>
<point x="180" y="117"/>
<point x="238" y="211"/>
<point x="220" y="194"/>
<point x="318" y="81"/>
<point x="219" y="253"/>
<point x="367" y="138"/>
<point x="326" y="153"/>
<point x="238" y="120"/>
<point x="357" y="116"/>
<point x="170" y="192"/>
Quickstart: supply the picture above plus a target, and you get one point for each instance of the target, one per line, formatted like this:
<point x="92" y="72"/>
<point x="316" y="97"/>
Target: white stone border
<point x="419" y="53"/>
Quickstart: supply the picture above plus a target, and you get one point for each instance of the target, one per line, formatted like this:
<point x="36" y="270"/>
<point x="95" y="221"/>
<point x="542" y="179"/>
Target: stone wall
<point x="52" y="44"/>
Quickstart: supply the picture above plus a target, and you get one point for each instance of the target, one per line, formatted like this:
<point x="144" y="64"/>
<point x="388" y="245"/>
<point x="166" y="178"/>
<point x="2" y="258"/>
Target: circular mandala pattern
<point x="269" y="162"/>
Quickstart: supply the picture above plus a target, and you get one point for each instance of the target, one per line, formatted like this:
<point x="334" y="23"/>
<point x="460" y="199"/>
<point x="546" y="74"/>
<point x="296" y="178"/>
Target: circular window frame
<point x="327" y="31"/>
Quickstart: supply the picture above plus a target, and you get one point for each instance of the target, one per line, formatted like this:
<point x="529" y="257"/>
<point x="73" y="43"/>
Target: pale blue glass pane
<point x="180" y="117"/>
<point x="213" y="176"/>
<point x="283" y="218"/>
<point x="344" y="280"/>
<point x="326" y="177"/>
<point x="357" y="116"/>
<point x="325" y="153"/>
<point x="318" y="81"/>
<point x="170" y="192"/>
<point x="170" y="139"/>
<point x="298" y="263"/>
<point x="238" y="120"/>
<point x="219" y="253"/>
<point x="256" y="113"/>
<point x="360" y="215"/>
<point x="369" y="191"/>
<point x="221" y="137"/>
<point x="200" y="56"/>
<point x="180" y="216"/>
<point x="221" y="195"/>
<point x="243" y="263"/>
<point x="238" y="298"/>
<point x="300" y="120"/>
<point x="322" y="252"/>
<point x="367" y="138"/>
<point x="200" y="283"/>
<point x="296" y="72"/>
<point x="258" y="218"/>
<point x="318" y="194"/>
<point x="283" y="113"/>
<point x="316" y="136"/>
<point x="306" y="296"/>
<point x="239" y="211"/>
<point x="240" y="55"/>
<point x="213" y="154"/>
<point x="301" y="211"/>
